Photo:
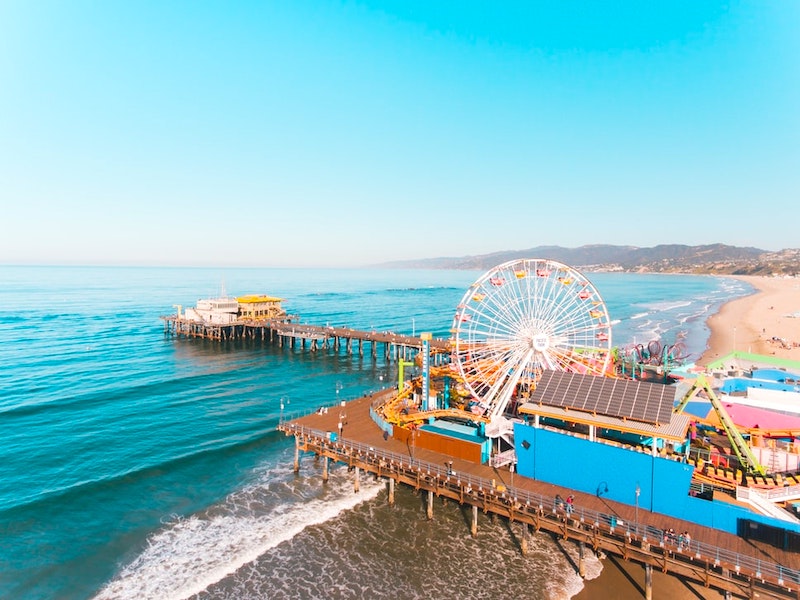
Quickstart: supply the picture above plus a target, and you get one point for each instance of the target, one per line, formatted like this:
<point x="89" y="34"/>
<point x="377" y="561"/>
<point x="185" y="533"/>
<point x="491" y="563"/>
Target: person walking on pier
<point x="570" y="503"/>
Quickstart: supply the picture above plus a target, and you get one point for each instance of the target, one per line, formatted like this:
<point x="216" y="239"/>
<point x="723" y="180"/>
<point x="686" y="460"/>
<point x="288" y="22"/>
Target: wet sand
<point x="621" y="580"/>
<point x="762" y="323"/>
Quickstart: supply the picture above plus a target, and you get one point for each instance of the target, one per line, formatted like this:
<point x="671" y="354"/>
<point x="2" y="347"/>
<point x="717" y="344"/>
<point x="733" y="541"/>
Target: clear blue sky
<point x="348" y="133"/>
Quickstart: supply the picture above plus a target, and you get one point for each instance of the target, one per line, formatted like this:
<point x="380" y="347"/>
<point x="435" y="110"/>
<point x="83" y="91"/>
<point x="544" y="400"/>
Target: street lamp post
<point x="284" y="402"/>
<point x="638" y="491"/>
<point x="413" y="327"/>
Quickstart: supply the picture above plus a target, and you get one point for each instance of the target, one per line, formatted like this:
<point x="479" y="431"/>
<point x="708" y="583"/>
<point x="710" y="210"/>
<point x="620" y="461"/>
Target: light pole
<point x="284" y="401"/>
<point x="638" y="491"/>
<point x="413" y="327"/>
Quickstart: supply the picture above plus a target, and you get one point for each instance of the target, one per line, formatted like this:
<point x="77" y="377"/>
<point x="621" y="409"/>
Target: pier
<point x="348" y="434"/>
<point x="285" y="332"/>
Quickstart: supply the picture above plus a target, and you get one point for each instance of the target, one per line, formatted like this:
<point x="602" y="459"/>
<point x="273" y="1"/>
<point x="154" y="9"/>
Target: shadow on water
<point x="514" y="535"/>
<point x="564" y="553"/>
<point x="628" y="576"/>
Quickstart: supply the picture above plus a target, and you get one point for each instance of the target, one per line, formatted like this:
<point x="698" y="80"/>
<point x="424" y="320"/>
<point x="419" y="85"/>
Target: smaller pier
<point x="285" y="332"/>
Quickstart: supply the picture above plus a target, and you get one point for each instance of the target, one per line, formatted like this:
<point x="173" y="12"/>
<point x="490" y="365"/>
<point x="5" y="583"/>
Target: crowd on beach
<point x="783" y="342"/>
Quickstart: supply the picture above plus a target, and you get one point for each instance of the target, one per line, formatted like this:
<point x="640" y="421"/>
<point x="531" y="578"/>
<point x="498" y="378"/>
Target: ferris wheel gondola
<point x="522" y="317"/>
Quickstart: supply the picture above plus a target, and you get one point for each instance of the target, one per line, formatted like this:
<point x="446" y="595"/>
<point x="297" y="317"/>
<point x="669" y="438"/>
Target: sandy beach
<point x="765" y="322"/>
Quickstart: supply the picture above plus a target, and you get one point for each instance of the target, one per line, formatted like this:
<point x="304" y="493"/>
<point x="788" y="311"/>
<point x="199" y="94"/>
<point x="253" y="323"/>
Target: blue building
<point x="622" y="440"/>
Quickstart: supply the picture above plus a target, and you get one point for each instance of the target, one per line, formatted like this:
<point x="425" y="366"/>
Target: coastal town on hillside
<point x="782" y="263"/>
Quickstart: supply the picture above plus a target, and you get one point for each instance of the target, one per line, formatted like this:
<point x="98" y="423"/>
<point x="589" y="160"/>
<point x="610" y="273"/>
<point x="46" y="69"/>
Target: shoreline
<point x="762" y="322"/>
<point x="765" y="322"/>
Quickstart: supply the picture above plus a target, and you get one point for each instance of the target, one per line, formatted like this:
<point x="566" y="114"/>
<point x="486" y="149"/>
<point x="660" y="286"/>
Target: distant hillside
<point x="667" y="258"/>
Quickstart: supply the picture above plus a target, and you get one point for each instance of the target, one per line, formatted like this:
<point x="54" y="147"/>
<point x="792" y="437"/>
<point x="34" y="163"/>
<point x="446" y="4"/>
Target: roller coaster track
<point x="738" y="443"/>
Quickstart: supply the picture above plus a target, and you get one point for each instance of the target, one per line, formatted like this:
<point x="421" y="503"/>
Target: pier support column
<point x="474" y="528"/>
<point x="430" y="504"/>
<point x="325" y="469"/>
<point x="523" y="542"/>
<point x="648" y="582"/>
<point x="357" y="471"/>
<point x="296" y="455"/>
<point x="581" y="559"/>
<point x="727" y="574"/>
<point x="391" y="492"/>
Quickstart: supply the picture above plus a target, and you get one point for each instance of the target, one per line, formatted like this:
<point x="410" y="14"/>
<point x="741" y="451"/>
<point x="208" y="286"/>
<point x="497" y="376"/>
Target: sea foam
<point x="190" y="554"/>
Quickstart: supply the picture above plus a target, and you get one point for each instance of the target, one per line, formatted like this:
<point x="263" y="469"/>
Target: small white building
<point x="214" y="311"/>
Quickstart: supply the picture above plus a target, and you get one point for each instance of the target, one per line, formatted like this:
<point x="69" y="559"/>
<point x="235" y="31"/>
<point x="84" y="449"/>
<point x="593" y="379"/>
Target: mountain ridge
<point x="664" y="258"/>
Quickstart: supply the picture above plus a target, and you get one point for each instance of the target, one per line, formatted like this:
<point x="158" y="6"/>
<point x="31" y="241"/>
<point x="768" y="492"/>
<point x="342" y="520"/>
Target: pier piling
<point x="727" y="594"/>
<point x="357" y="471"/>
<point x="430" y="504"/>
<point x="391" y="492"/>
<point x="474" y="528"/>
<point x="523" y="543"/>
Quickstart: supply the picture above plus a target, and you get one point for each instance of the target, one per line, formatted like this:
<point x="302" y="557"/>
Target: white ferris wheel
<point x="522" y="317"/>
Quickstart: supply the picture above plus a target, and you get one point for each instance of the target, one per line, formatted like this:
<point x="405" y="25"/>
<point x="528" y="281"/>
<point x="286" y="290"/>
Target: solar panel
<point x="638" y="400"/>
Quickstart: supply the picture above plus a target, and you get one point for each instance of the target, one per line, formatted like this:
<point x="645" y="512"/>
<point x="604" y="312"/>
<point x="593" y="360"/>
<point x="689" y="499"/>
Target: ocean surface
<point x="137" y="465"/>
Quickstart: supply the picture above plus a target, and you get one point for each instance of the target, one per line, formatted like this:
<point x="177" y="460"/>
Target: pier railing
<point x="341" y="402"/>
<point x="525" y="502"/>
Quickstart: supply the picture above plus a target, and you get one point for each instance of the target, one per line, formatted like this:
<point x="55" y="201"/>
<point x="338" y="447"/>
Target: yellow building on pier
<point x="258" y="307"/>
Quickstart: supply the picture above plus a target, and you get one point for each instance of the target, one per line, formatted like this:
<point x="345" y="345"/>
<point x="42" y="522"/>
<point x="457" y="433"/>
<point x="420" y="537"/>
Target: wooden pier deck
<point x="287" y="332"/>
<point x="715" y="559"/>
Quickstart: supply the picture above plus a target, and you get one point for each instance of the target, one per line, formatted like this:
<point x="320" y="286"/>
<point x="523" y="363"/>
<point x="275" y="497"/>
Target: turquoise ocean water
<point x="135" y="465"/>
